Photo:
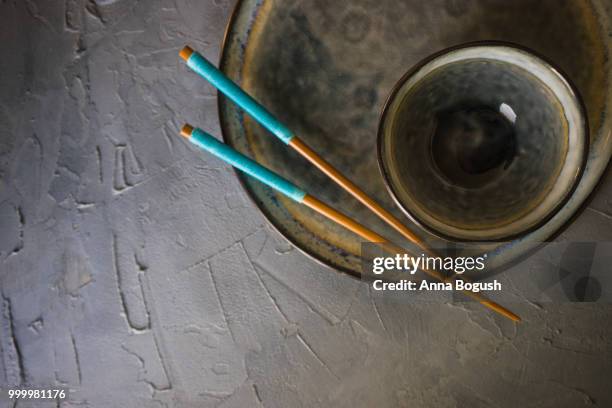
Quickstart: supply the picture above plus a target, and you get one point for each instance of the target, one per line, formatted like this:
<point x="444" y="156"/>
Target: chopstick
<point x="219" y="80"/>
<point x="224" y="152"/>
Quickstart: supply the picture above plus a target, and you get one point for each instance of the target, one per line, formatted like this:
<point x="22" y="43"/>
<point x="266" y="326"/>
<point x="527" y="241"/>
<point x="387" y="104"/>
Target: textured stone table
<point x="136" y="273"/>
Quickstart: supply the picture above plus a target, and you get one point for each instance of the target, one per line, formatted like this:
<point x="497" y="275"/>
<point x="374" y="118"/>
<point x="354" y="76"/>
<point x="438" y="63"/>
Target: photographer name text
<point x="459" y="284"/>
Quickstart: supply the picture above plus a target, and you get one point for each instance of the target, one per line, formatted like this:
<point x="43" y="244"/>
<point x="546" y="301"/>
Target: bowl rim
<point x="472" y="44"/>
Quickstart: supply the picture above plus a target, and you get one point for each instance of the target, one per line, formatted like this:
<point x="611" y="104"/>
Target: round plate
<point x="325" y="69"/>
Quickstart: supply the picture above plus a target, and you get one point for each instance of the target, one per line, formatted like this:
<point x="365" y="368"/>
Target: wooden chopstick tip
<point x="186" y="52"/>
<point x="501" y="310"/>
<point x="514" y="317"/>
<point x="187" y="130"/>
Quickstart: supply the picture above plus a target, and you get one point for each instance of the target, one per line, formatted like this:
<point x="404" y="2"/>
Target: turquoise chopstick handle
<point x="231" y="156"/>
<point x="218" y="79"/>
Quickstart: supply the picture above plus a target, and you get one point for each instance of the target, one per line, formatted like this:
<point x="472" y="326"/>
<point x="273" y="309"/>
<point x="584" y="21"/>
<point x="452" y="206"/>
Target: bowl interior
<point x="482" y="142"/>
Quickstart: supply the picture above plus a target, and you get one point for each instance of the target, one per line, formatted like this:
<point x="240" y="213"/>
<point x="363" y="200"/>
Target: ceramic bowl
<point x="482" y="142"/>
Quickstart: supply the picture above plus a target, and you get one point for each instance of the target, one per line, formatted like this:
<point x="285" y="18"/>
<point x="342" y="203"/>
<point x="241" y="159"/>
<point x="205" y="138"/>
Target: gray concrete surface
<point x="135" y="272"/>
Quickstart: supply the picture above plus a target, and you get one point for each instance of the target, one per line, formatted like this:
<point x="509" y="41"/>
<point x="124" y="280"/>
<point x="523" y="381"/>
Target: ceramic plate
<point x="325" y="69"/>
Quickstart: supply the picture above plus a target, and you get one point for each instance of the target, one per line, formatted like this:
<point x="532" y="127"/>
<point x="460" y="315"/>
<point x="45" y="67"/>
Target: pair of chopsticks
<point x="208" y="71"/>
